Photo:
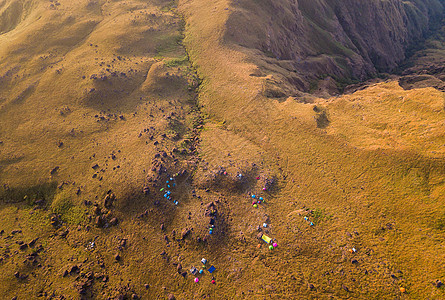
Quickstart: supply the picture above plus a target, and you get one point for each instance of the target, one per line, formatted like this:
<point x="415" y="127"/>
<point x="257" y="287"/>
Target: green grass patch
<point x="169" y="44"/>
<point x="319" y="215"/>
<point x="325" y="43"/>
<point x="313" y="86"/>
<point x="63" y="205"/>
<point x="439" y="223"/>
<point x="343" y="82"/>
<point x="176" y="62"/>
<point x="38" y="218"/>
<point x="169" y="7"/>
<point x="158" y="57"/>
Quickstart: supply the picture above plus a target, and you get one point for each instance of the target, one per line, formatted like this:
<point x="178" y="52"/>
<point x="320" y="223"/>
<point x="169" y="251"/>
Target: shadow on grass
<point x="37" y="194"/>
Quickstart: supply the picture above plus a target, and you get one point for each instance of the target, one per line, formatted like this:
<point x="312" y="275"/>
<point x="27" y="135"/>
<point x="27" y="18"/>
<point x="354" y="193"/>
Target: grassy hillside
<point x="95" y="96"/>
<point x="369" y="168"/>
<point x="103" y="102"/>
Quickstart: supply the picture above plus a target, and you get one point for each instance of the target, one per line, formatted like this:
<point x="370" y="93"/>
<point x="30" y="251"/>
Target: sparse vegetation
<point x="134" y="142"/>
<point x="176" y="62"/>
<point x="319" y="215"/>
<point x="63" y="206"/>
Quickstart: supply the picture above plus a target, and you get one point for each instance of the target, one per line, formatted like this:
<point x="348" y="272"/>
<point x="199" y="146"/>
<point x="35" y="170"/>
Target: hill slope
<point x="302" y="43"/>
<point x="355" y="164"/>
<point x="106" y="119"/>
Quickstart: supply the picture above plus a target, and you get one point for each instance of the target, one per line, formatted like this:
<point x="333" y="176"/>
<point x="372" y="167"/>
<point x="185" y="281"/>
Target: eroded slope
<point x="318" y="46"/>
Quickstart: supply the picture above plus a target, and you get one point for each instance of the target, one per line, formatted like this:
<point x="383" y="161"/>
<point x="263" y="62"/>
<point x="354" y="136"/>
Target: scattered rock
<point x="113" y="222"/>
<point x="39" y="202"/>
<point x="82" y="287"/>
<point x="123" y="243"/>
<point x="64" y="233"/>
<point x="354" y="261"/>
<point x="179" y="267"/>
<point x="171" y="297"/>
<point x="33" y="242"/>
<point x="345" y="288"/>
<point x="311" y="287"/>
<point x="117" y="257"/>
<point x="146" y="190"/>
<point x="99" y="221"/>
<point x="54" y="170"/>
<point x="55" y="221"/>
<point x="20" y="276"/>
<point x="134" y="297"/>
<point x="90" y="275"/>
<point x="65" y="273"/>
<point x="184" y="233"/>
<point x="109" y="199"/>
<point x="146" y="286"/>
<point x="438" y="283"/>
<point x="74" y="269"/>
<point x="23" y="246"/>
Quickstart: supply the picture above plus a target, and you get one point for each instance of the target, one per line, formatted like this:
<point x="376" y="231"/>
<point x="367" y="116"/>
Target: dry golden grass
<point x="366" y="168"/>
<point x="85" y="83"/>
<point x="376" y="168"/>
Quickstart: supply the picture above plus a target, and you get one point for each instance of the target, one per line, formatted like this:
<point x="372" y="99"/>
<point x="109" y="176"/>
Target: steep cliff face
<point x="342" y="38"/>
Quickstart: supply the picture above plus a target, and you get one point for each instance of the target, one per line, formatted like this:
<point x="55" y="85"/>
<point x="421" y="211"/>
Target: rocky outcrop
<point x="304" y="40"/>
